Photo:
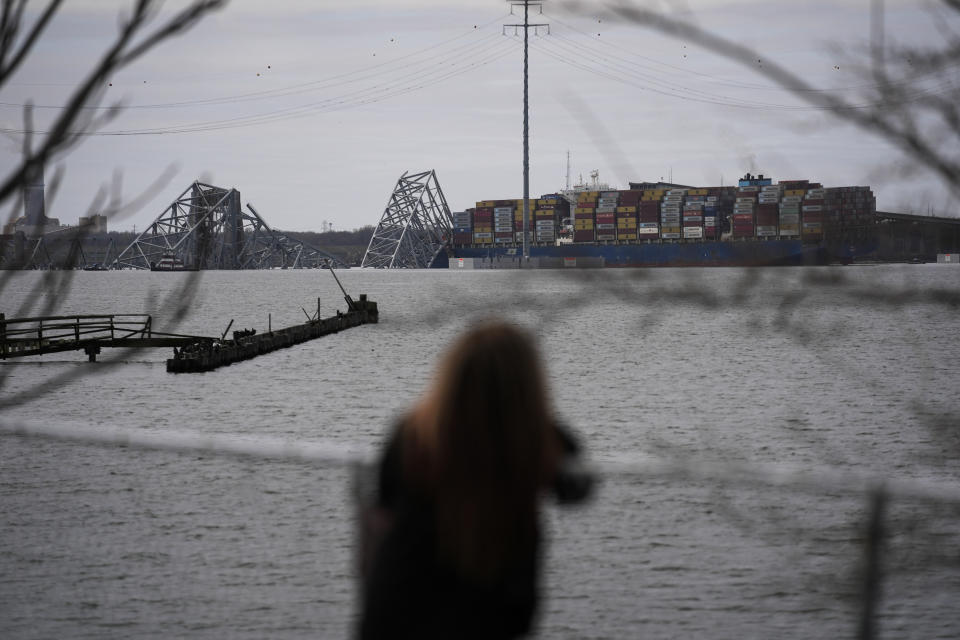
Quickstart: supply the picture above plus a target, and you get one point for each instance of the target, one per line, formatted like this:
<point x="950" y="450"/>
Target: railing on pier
<point x="22" y="337"/>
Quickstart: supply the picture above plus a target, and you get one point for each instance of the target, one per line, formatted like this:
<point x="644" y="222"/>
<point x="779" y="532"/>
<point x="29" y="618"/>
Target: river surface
<point x="828" y="370"/>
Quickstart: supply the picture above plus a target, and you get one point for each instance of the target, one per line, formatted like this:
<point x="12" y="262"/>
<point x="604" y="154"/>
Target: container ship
<point x="757" y="222"/>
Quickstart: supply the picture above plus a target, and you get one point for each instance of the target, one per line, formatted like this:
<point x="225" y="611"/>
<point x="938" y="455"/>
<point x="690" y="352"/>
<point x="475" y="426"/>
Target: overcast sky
<point x="313" y="109"/>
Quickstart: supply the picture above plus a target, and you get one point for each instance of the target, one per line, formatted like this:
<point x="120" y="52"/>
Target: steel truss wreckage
<point x="415" y="225"/>
<point x="205" y="228"/>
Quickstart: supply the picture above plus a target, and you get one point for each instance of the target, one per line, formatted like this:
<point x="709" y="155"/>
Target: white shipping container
<point x="693" y="218"/>
<point x="693" y="232"/>
<point x="770" y="187"/>
<point x="746" y="200"/>
<point x="647" y="230"/>
<point x="610" y="209"/>
<point x="812" y="207"/>
<point x="749" y="189"/>
<point x="709" y="219"/>
<point x="766" y="228"/>
<point x="670" y="236"/>
<point x="811" y="225"/>
<point x="767" y="233"/>
<point x="648" y="225"/>
<point x="483" y="235"/>
<point x="789" y="232"/>
<point x="606" y="226"/>
<point x="789" y="217"/>
<point x="791" y="198"/>
<point x="674" y="192"/>
<point x="712" y="199"/>
<point x="606" y="236"/>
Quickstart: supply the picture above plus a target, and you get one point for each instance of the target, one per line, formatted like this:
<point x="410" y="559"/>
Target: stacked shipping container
<point x="463" y="227"/>
<point x="671" y="221"/>
<point x="789" y="209"/>
<point x="627" y="216"/>
<point x="605" y="216"/>
<point x="583" y="217"/>
<point x="648" y="215"/>
<point x="744" y="223"/>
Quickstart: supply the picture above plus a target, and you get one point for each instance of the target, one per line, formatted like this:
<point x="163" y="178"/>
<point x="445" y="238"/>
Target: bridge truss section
<point x="415" y="225"/>
<point x="205" y="228"/>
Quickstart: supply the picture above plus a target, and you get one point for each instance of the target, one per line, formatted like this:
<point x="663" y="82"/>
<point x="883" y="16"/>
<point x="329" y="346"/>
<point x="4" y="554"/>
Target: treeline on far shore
<point x="103" y="248"/>
<point x="349" y="246"/>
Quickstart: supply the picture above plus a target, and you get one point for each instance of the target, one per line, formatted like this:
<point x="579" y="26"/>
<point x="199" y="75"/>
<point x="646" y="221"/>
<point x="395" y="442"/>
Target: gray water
<point x="851" y="370"/>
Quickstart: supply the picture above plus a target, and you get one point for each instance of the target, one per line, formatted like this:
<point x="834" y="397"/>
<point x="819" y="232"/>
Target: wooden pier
<point x="37" y="336"/>
<point x="204" y="356"/>
<point x="23" y="337"/>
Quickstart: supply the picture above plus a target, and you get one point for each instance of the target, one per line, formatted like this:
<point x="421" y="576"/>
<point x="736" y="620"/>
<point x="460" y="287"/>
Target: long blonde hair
<point x="482" y="444"/>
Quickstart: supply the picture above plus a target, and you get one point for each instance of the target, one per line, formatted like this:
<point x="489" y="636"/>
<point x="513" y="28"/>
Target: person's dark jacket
<point x="409" y="593"/>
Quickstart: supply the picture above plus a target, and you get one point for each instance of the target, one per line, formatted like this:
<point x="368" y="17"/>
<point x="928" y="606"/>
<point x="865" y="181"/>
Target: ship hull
<point x="693" y="254"/>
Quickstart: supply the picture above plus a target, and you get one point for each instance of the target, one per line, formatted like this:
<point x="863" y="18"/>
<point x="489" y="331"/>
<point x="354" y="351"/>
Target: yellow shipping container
<point x="582" y="210"/>
<point x="548" y="202"/>
<point x="626" y="209"/>
<point x="697" y="192"/>
<point x="627" y="236"/>
<point x="485" y="204"/>
<point x="583" y="224"/>
<point x="654" y="193"/>
<point x="546" y="211"/>
<point x="794" y="192"/>
<point x="626" y="224"/>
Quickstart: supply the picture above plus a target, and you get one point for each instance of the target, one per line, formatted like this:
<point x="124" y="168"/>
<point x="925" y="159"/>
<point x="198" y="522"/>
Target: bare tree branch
<point x="889" y="118"/>
<point x="11" y="20"/>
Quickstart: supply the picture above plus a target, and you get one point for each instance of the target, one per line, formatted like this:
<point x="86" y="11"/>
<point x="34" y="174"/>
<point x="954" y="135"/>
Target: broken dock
<point x="206" y="355"/>
<point x="22" y="337"/>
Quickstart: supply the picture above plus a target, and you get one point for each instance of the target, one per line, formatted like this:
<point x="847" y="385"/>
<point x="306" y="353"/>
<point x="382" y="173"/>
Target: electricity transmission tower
<point x="415" y="226"/>
<point x="526" y="26"/>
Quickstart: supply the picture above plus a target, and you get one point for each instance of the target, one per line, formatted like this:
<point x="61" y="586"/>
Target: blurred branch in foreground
<point x="912" y="100"/>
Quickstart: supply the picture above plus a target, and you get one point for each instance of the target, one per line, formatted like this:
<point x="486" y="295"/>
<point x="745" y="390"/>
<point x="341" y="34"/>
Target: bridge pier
<point x="92" y="350"/>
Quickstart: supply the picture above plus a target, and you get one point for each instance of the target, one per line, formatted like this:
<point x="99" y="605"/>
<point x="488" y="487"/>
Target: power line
<point x="417" y="80"/>
<point x="296" y="89"/>
<point x="606" y="70"/>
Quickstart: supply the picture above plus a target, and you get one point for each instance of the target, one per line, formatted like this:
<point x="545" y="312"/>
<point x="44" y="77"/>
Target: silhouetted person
<point x="453" y="542"/>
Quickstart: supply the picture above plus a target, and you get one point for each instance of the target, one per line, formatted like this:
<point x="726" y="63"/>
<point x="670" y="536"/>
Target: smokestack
<point x="34" y="209"/>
